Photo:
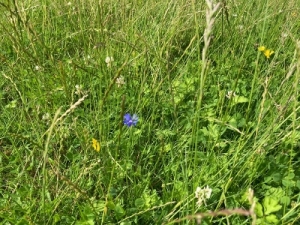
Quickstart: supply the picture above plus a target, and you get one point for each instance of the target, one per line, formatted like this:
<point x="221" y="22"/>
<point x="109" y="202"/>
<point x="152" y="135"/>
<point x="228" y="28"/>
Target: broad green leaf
<point x="288" y="183"/>
<point x="290" y="176"/>
<point x="276" y="193"/>
<point x="260" y="221"/>
<point x="139" y="203"/>
<point x="271" y="205"/>
<point x="111" y="205"/>
<point x="272" y="219"/>
<point x="259" y="209"/>
<point x="120" y="212"/>
<point x="239" y="99"/>
<point x="276" y="177"/>
<point x="285" y="200"/>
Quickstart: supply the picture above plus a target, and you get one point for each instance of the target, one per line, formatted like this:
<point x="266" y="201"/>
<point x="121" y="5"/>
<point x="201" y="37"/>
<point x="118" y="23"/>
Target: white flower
<point x="202" y="194"/>
<point x="284" y="35"/>
<point x="88" y="57"/>
<point x="120" y="81"/>
<point x="78" y="89"/>
<point x="207" y="192"/>
<point x="46" y="116"/>
<point x="198" y="192"/>
<point x="109" y="60"/>
<point x="240" y="27"/>
<point x="230" y="94"/>
<point x="37" y="67"/>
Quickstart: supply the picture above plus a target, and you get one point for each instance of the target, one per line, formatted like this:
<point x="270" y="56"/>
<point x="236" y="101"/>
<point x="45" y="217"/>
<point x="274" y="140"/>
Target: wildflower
<point x="46" y="116"/>
<point x="230" y="94"/>
<point x="261" y="48"/>
<point x="294" y="14"/>
<point x="120" y="81"/>
<point x="37" y="67"/>
<point x="284" y="35"/>
<point x="129" y="121"/>
<point x="240" y="27"/>
<point x="86" y="58"/>
<point x="109" y="60"/>
<point x="78" y="90"/>
<point x="95" y="144"/>
<point x="267" y="52"/>
<point x="202" y="194"/>
<point x="207" y="192"/>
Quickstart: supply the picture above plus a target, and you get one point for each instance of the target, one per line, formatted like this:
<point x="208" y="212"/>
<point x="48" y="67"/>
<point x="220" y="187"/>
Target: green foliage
<point x="227" y="119"/>
<point x="264" y="211"/>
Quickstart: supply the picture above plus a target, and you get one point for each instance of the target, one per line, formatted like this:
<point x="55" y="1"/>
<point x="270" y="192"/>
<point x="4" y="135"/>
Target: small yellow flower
<point x="294" y="14"/>
<point x="268" y="53"/>
<point x="96" y="144"/>
<point x="261" y="48"/>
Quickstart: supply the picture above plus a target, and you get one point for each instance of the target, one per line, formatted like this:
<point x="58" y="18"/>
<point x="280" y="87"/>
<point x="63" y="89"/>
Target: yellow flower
<point x="294" y="14"/>
<point x="268" y="53"/>
<point x="261" y="48"/>
<point x="96" y="144"/>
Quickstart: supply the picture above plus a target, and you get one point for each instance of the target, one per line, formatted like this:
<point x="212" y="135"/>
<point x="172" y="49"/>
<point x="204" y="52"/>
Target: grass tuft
<point x="210" y="95"/>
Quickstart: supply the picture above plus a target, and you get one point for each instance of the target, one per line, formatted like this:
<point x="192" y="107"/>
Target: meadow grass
<point x="217" y="137"/>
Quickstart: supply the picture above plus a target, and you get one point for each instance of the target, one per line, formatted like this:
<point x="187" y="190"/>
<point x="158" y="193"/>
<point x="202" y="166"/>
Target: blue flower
<point x="130" y="120"/>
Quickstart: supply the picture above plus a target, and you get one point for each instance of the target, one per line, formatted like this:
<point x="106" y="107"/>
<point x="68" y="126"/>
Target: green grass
<point x="217" y="114"/>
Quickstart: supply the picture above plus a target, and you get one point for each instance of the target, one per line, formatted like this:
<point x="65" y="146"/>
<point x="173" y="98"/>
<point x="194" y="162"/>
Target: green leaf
<point x="271" y="205"/>
<point x="288" y="183"/>
<point x="276" y="177"/>
<point x="260" y="221"/>
<point x="120" y="212"/>
<point x="56" y="218"/>
<point x="125" y="223"/>
<point x="258" y="210"/>
<point x="272" y="219"/>
<point x="111" y="205"/>
<point x="298" y="184"/>
<point x="139" y="203"/>
<point x="239" y="99"/>
<point x="290" y="176"/>
<point x="267" y="179"/>
<point x="276" y="193"/>
<point x="285" y="200"/>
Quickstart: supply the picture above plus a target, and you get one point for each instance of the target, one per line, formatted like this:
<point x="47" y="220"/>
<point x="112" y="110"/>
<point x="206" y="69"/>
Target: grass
<point x="214" y="112"/>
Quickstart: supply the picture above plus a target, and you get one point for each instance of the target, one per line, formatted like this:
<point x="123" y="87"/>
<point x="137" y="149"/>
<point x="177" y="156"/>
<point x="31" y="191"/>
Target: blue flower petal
<point x="129" y="121"/>
<point x="127" y="117"/>
<point x="134" y="119"/>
